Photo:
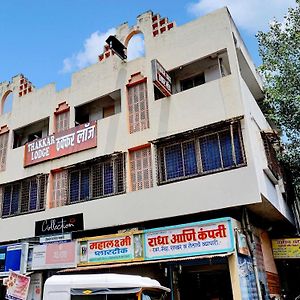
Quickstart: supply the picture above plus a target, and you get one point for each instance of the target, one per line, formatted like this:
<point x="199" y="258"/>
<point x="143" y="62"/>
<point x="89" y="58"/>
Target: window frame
<point x="235" y="132"/>
<point x="40" y="201"/>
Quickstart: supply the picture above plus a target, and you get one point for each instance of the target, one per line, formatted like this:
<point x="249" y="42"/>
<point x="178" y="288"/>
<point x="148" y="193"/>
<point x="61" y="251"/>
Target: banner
<point x="17" y="286"/>
<point x="113" y="248"/>
<point x="54" y="256"/>
<point x="70" y="141"/>
<point x="209" y="237"/>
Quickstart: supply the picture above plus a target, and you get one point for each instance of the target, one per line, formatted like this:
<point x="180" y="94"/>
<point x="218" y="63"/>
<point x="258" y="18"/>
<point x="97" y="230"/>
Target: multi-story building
<point x="169" y="154"/>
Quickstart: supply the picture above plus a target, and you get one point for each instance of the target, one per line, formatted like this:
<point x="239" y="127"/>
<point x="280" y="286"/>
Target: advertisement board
<point x="66" y="142"/>
<point x="112" y="248"/>
<point x="35" y="287"/>
<point x="54" y="256"/>
<point x="200" y="238"/>
<point x="286" y="248"/>
<point x="13" y="257"/>
<point x="17" y="286"/>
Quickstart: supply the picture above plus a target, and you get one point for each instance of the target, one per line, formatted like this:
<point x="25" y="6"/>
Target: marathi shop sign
<point x="112" y="248"/>
<point x="161" y="78"/>
<point x="70" y="141"/>
<point x="286" y="248"/>
<point x="209" y="237"/>
<point x="59" y="225"/>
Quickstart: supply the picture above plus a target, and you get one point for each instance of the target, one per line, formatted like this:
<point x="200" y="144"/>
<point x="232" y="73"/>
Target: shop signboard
<point x="161" y="78"/>
<point x="200" y="238"/>
<point x="17" y="286"/>
<point x="66" y="142"/>
<point x="286" y="248"/>
<point x="111" y="248"/>
<point x="59" y="225"/>
<point x="54" y="256"/>
<point x="35" y="287"/>
<point x="13" y="257"/>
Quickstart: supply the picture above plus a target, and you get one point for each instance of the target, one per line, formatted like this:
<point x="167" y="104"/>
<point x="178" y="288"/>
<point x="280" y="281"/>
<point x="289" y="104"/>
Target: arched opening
<point x="135" y="45"/>
<point x="6" y="103"/>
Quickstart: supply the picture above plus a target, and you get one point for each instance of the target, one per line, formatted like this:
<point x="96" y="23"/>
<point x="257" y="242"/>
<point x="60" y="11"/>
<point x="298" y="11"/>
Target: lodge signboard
<point x="70" y="141"/>
<point x="111" y="248"/>
<point x="161" y="78"/>
<point x="200" y="238"/>
<point x="59" y="225"/>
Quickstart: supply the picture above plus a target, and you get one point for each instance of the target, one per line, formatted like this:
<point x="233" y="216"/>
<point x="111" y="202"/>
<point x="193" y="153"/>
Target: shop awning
<point x="138" y="263"/>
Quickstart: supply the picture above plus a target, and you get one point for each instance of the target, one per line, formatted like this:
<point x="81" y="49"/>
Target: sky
<point x="49" y="40"/>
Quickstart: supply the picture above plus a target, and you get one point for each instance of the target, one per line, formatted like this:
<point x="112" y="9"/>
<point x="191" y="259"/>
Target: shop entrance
<point x="205" y="283"/>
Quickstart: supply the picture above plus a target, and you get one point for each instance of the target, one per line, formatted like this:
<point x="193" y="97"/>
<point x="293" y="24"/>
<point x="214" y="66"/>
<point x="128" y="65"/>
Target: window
<point x="79" y="185"/>
<point x="273" y="164"/>
<point x="62" y="121"/>
<point x="3" y="150"/>
<point x="60" y="189"/>
<point x="108" y="177"/>
<point x="138" y="107"/>
<point x="192" y="82"/>
<point x="200" y="154"/>
<point x="141" y="169"/>
<point x="24" y="196"/>
<point x="93" y="179"/>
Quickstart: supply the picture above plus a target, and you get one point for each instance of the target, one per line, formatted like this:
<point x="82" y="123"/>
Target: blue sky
<point x="48" y="40"/>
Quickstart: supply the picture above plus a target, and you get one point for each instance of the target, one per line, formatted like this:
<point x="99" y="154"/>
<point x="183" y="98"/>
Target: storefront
<point x="192" y="259"/>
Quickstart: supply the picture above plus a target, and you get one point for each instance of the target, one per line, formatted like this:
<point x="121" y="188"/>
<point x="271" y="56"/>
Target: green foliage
<point x="279" y="49"/>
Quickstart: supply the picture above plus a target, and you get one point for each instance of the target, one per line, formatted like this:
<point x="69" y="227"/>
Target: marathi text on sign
<point x="113" y="249"/>
<point x="161" y="78"/>
<point x="69" y="141"/>
<point x="286" y="248"/>
<point x="195" y="239"/>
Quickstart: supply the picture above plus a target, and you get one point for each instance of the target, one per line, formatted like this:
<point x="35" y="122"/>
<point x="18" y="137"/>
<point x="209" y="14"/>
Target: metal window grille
<point x="24" y="196"/>
<point x="62" y="121"/>
<point x="141" y="169"/>
<point x="3" y="150"/>
<point x="138" y="107"/>
<point x="198" y="155"/>
<point x="271" y="156"/>
<point x="60" y="189"/>
<point x="103" y="178"/>
<point x="108" y="177"/>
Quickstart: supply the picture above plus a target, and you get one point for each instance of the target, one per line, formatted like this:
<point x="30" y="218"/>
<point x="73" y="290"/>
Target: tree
<point x="279" y="49"/>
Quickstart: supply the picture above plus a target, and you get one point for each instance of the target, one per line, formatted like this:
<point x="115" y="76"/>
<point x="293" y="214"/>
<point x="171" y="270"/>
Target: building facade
<point x="168" y="155"/>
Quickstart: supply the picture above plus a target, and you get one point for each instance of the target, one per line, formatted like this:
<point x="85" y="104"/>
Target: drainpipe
<point x="250" y="239"/>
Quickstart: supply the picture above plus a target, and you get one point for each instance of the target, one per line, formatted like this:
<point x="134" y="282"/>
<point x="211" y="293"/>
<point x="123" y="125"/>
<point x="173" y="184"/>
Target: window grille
<point x="273" y="163"/>
<point x="60" y="189"/>
<point x="62" y="121"/>
<point x="141" y="169"/>
<point x="201" y="154"/>
<point x="138" y="107"/>
<point x="101" y="178"/>
<point x="3" y="150"/>
<point x="27" y="195"/>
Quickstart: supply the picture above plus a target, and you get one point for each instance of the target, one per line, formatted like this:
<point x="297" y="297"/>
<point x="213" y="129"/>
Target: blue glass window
<point x="210" y="152"/>
<point x="108" y="179"/>
<point x="85" y="184"/>
<point x="180" y="160"/>
<point x="33" y="195"/>
<point x="74" y="186"/>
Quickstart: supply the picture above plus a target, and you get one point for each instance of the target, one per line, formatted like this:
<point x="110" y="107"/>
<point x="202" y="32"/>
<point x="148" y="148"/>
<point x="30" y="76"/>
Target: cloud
<point x="92" y="47"/>
<point x="250" y="15"/>
<point x="136" y="47"/>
